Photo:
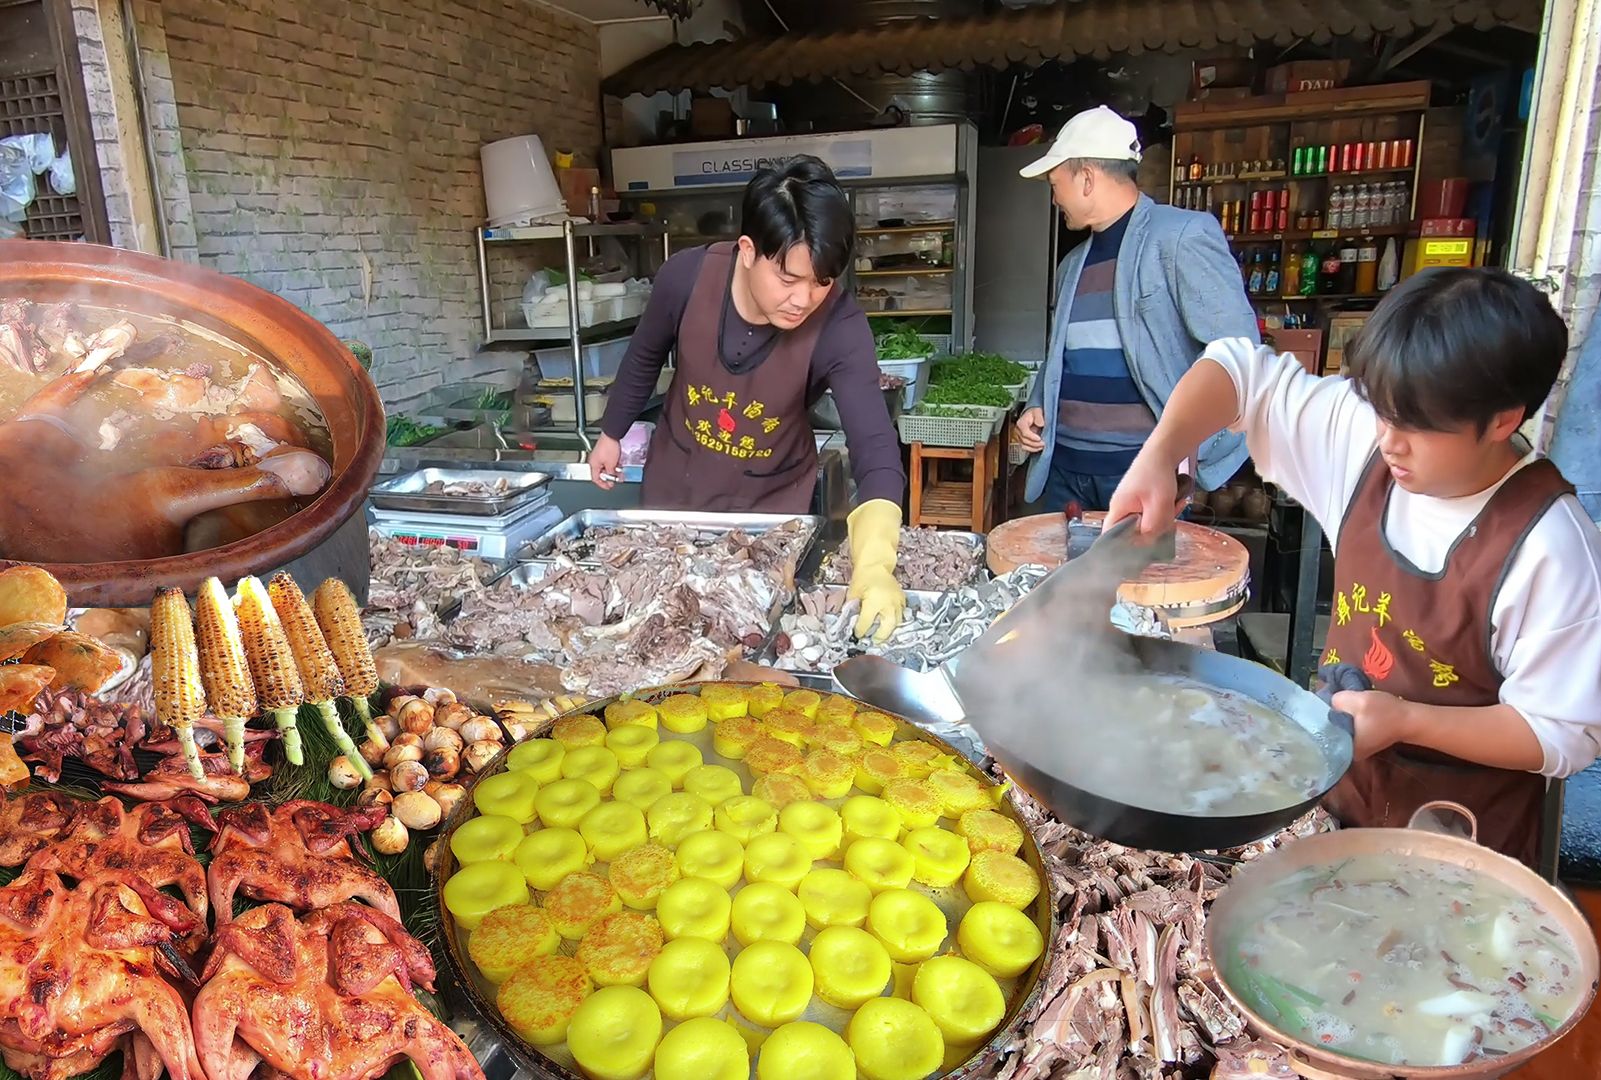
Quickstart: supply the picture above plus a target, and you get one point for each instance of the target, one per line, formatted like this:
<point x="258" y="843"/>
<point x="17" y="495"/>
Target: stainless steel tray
<point x="586" y="520"/>
<point x="407" y="492"/>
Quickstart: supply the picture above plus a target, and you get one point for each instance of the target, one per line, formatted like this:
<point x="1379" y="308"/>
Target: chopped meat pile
<point x="471" y="489"/>
<point x="644" y="606"/>
<point x="411" y="584"/>
<point x="1125" y="993"/>
<point x="929" y="561"/>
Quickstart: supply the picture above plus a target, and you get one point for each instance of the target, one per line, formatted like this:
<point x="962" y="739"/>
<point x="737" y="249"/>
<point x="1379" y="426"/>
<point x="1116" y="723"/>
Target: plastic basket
<point x="954" y="431"/>
<point x="915" y="371"/>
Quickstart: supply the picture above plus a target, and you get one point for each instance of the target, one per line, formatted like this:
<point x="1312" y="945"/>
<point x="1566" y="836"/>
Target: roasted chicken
<point x="82" y="969"/>
<point x="328" y="997"/>
<point x="150" y="842"/>
<point x="30" y="823"/>
<point x="218" y="783"/>
<point x="297" y="854"/>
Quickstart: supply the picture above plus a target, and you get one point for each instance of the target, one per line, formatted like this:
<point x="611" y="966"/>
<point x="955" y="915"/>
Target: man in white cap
<point x="1136" y="303"/>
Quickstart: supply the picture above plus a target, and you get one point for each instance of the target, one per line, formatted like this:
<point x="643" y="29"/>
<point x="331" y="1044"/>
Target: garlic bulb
<point x="388" y="726"/>
<point x="416" y="810"/>
<point x="408" y="776"/>
<point x="416" y="717"/>
<point x="430" y="855"/>
<point x="448" y="796"/>
<point x="439" y="695"/>
<point x="442" y="764"/>
<point x="389" y="837"/>
<point x="372" y="752"/>
<point x="453" y="715"/>
<point x="379" y="781"/>
<point x="374" y="797"/>
<point x="402" y="752"/>
<point x="443" y="738"/>
<point x="342" y="774"/>
<point x="481" y="729"/>
<point x="479" y="754"/>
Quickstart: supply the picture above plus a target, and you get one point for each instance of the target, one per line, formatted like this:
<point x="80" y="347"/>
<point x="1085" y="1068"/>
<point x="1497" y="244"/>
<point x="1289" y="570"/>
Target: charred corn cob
<point x="319" y="674"/>
<point x="340" y="621"/>
<point x="272" y="665"/>
<point x="223" y="668"/>
<point x="175" y="672"/>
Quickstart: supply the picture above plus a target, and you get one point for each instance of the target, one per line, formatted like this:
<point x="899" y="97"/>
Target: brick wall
<point x="331" y="153"/>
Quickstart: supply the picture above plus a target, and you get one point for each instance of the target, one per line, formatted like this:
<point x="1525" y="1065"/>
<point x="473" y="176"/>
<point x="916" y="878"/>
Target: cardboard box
<point x="1299" y="76"/>
<point x="711" y="118"/>
<point x="1342" y="328"/>
<point x="1209" y="77"/>
<point x="1307" y="345"/>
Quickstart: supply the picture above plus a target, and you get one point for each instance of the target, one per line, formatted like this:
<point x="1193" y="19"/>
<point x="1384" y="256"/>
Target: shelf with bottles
<point x="1344" y="208"/>
<point x="1345" y="268"/>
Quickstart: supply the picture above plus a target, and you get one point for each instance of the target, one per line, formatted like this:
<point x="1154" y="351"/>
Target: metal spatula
<point x="1020" y="648"/>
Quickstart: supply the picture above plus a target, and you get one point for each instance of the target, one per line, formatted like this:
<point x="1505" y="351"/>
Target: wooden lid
<point x="1209" y="576"/>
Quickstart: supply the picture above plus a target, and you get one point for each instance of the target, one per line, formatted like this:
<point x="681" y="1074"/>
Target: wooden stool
<point x="961" y="504"/>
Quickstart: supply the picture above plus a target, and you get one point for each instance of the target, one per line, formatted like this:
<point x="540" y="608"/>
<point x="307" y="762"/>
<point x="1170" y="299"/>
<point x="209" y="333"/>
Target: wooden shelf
<point x="909" y="271"/>
<point x="908" y="314"/>
<point x="895" y="230"/>
<point x="1357" y="174"/>
<point x="1321" y="296"/>
<point x="1318" y="234"/>
<point x="1390" y="99"/>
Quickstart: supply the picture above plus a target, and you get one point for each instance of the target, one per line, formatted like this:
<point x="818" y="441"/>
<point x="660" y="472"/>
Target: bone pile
<point x="1124" y="997"/>
<point x="928" y="561"/>
<point x="820" y="636"/>
<point x="410" y="584"/>
<point x="622" y="608"/>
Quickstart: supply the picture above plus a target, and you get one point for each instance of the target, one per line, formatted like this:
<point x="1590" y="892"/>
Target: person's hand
<point x="1148" y="492"/>
<point x="1030" y="425"/>
<point x="604" y="462"/>
<point x="883" y="602"/>
<point x="1380" y="720"/>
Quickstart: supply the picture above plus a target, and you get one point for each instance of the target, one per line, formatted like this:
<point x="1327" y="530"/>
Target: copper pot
<point x="1319" y="1063"/>
<point x="268" y="326"/>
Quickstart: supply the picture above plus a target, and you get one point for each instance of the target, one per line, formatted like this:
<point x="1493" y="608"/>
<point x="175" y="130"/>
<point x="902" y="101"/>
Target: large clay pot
<point x="264" y="323"/>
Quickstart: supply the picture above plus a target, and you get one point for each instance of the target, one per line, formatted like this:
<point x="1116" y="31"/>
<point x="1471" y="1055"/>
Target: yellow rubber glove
<point x="875" y="539"/>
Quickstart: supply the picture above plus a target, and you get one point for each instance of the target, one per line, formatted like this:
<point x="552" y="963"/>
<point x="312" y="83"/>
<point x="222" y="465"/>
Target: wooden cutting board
<point x="1208" y="581"/>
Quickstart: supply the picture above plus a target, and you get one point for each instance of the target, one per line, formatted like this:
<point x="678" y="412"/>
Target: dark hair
<point x="798" y="201"/>
<point x="1455" y="346"/>
<point x="1119" y="168"/>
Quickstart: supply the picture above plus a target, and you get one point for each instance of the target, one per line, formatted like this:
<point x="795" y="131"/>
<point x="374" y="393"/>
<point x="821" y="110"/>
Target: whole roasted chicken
<point x="82" y="974"/>
<point x="30" y="823"/>
<point x="150" y="842"/>
<point x="64" y="492"/>
<point x="297" y="854"/>
<point x="325" y="998"/>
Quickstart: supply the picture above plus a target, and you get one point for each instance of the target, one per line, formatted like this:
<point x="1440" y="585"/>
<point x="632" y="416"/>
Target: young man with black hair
<point x="1467" y="576"/>
<point x="762" y="327"/>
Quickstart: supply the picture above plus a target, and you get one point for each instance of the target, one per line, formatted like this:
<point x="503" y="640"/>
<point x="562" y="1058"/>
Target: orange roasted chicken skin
<point x="327" y="997"/>
<point x="30" y="823"/>
<point x="297" y="854"/>
<point x="83" y="972"/>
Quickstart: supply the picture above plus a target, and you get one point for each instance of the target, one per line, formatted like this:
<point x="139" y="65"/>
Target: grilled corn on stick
<point x="223" y="668"/>
<point x="272" y="665"/>
<point x="175" y="671"/>
<point x="340" y="621"/>
<point x="319" y="674"/>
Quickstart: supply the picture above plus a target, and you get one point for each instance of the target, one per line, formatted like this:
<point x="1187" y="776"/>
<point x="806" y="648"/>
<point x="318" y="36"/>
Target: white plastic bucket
<point x="519" y="184"/>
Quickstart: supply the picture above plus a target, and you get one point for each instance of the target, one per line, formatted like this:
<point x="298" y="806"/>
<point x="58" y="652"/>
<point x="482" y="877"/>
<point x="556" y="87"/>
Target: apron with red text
<point x="1426" y="638"/>
<point x="734" y="443"/>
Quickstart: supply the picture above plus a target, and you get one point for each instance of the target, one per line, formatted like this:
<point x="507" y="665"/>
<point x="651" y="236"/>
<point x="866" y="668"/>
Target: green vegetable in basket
<point x="965" y="390"/>
<point x="903" y="344"/>
<point x="947" y="412"/>
<point x="990" y="368"/>
<point x="404" y="431"/>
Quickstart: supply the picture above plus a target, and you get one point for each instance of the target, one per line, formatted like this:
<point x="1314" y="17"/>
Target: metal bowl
<point x="1318" y="1061"/>
<point x="257" y="320"/>
<point x="1022" y="1000"/>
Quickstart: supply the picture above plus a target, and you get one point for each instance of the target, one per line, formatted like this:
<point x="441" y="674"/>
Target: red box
<point x="1299" y="76"/>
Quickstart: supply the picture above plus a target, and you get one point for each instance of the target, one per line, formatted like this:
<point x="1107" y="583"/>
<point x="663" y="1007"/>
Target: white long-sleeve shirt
<point x="1313" y="437"/>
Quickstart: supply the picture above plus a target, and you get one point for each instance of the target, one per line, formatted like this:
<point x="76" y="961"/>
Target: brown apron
<point x="734" y="443"/>
<point x="1426" y="638"/>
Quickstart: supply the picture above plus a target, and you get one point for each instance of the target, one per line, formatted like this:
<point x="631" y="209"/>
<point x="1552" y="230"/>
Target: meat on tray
<point x="929" y="561"/>
<point x="410" y="584"/>
<point x="637" y="606"/>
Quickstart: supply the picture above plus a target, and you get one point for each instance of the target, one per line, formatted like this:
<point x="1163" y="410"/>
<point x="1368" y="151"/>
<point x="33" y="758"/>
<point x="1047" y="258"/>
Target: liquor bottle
<point x="1270" y="280"/>
<point x="1328" y="278"/>
<point x="1196" y="172"/>
<point x="1254" y="282"/>
<point x="1292" y="272"/>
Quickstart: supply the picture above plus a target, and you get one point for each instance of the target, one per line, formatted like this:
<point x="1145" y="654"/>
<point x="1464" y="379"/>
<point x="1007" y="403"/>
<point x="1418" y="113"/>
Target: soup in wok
<point x="1402" y="960"/>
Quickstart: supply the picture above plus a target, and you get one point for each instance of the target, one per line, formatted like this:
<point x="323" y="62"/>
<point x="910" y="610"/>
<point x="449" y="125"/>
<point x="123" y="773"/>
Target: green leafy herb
<point x="404" y="431"/>
<point x="981" y="367"/>
<point x="949" y="412"/>
<point x="558" y="278"/>
<point x="967" y="391"/>
<point x="903" y="343"/>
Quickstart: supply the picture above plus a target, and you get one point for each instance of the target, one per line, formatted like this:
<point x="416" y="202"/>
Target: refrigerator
<point x="1017" y="242"/>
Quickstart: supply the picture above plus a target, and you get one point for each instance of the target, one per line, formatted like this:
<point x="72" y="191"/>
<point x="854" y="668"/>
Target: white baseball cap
<point x="1094" y="133"/>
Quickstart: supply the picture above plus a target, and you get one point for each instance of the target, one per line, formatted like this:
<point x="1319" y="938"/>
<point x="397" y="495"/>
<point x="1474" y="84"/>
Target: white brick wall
<point x="329" y="152"/>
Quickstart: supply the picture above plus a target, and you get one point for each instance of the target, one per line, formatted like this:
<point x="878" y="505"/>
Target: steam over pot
<point x="265" y="324"/>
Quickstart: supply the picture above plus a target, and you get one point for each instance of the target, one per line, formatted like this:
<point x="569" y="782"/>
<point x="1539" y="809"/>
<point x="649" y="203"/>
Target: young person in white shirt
<point x="1467" y="576"/>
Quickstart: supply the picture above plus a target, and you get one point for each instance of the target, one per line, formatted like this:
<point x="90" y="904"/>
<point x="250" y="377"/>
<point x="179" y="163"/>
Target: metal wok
<point x="267" y="325"/>
<point x="1319" y="1063"/>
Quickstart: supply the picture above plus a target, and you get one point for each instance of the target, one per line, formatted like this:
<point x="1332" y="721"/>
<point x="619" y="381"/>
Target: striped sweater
<point x="1102" y="420"/>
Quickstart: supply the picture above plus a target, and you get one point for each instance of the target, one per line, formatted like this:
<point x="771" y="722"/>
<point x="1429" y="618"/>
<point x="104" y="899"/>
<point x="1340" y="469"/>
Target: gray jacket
<point x="1177" y="289"/>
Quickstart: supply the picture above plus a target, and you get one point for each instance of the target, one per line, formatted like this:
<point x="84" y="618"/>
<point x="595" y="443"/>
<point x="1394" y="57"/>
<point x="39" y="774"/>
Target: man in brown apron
<point x="1467" y="577"/>
<point x="761" y="328"/>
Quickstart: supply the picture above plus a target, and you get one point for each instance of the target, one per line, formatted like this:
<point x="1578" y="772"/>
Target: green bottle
<point x="1309" y="269"/>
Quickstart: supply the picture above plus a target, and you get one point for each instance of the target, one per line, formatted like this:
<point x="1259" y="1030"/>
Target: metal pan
<point x="409" y="492"/>
<point x="1317" y="1062"/>
<point x="1022" y="998"/>
<point x="1136" y="826"/>
<point x="575" y="526"/>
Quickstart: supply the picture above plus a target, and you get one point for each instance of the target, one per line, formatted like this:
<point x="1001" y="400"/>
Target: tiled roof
<point x="1065" y="31"/>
